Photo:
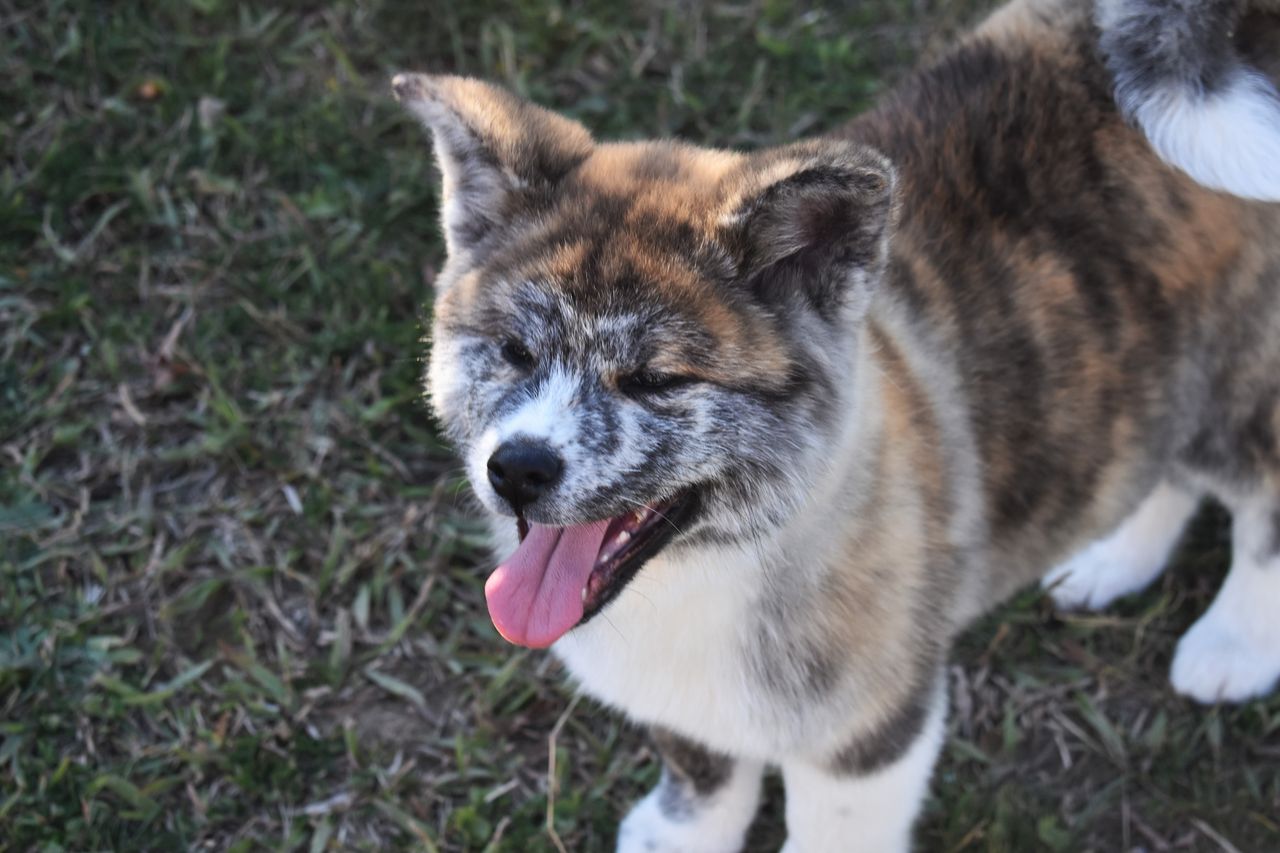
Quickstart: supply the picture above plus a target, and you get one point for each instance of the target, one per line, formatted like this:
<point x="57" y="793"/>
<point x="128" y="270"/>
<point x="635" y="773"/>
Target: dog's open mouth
<point x="559" y="577"/>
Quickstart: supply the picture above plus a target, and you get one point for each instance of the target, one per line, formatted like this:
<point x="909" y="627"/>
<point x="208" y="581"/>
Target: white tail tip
<point x="1228" y="140"/>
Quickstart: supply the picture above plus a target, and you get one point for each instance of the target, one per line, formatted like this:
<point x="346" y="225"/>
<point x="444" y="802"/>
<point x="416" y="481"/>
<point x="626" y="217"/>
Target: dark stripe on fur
<point x="690" y="772"/>
<point x="889" y="741"/>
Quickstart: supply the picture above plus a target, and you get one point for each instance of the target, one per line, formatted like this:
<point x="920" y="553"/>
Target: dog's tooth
<point x="584" y="595"/>
<point x="622" y="538"/>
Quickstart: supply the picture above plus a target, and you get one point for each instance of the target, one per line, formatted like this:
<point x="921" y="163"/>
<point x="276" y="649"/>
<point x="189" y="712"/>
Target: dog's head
<point x="637" y="346"/>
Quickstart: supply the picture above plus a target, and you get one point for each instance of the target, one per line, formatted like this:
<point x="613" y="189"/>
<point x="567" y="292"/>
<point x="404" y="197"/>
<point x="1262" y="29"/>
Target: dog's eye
<point x="651" y="382"/>
<point x="517" y="354"/>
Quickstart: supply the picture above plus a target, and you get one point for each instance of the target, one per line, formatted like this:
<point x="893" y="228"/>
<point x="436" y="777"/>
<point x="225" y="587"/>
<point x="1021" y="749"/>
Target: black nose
<point x="521" y="471"/>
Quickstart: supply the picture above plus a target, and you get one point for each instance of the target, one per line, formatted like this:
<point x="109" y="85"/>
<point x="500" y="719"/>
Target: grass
<point x="240" y="587"/>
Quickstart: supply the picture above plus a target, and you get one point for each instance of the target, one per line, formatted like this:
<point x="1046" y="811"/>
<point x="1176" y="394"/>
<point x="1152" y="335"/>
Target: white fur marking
<point x="1128" y="559"/>
<point x="1229" y="140"/>
<point x="874" y="813"/>
<point x="1232" y="653"/>
<point x="547" y="416"/>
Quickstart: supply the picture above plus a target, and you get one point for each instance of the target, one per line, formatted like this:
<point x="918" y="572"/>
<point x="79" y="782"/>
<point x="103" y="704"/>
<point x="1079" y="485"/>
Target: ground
<point x="240" y="583"/>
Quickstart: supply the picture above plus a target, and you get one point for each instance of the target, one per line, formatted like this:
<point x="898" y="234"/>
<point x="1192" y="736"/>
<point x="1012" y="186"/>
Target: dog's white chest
<point x="671" y="651"/>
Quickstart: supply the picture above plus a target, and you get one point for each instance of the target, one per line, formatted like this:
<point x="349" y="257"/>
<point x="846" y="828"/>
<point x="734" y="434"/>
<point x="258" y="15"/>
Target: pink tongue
<point x="536" y="595"/>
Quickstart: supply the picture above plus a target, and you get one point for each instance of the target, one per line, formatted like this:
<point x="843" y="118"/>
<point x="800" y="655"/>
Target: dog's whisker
<point x="658" y="513"/>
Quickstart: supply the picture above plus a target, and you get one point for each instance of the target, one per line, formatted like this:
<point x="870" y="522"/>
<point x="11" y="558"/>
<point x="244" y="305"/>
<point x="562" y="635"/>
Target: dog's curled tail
<point x="1204" y="109"/>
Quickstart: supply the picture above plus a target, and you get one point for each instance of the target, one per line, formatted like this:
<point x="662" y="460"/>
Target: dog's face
<point x="637" y="346"/>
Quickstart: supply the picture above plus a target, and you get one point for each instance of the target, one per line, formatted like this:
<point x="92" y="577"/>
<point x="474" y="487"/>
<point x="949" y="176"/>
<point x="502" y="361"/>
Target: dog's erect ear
<point x="492" y="147"/>
<point x="812" y="218"/>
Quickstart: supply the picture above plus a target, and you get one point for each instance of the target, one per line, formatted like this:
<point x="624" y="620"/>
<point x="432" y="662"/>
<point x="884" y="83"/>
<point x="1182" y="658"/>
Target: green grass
<point x="240" y="587"/>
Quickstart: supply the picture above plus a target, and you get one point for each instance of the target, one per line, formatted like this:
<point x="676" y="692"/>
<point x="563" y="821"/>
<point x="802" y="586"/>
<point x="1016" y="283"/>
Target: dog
<point x="760" y="433"/>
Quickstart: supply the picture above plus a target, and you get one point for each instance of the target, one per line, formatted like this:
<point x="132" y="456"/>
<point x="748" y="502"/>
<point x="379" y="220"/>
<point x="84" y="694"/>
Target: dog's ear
<point x="811" y="219"/>
<point x="494" y="149"/>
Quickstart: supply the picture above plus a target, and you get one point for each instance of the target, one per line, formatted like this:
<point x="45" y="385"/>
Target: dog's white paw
<point x="1214" y="663"/>
<point x="1097" y="576"/>
<point x="1127" y="560"/>
<point x="647" y="829"/>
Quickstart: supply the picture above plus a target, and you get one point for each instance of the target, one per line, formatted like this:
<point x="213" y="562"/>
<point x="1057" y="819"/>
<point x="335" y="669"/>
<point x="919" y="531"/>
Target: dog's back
<point x="1102" y="310"/>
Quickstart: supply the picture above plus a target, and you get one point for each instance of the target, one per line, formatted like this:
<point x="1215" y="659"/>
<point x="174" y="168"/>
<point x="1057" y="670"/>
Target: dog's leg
<point x="1131" y="557"/>
<point x="704" y="803"/>
<point x="868" y="798"/>
<point x="1232" y="653"/>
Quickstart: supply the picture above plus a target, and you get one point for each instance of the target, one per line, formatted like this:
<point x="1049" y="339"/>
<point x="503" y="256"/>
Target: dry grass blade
<point x="552" y="778"/>
<point x="1215" y="836"/>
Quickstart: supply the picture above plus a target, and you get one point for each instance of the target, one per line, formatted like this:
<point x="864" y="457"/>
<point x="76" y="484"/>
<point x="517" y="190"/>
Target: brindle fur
<point x="885" y="744"/>
<point x="967" y="333"/>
